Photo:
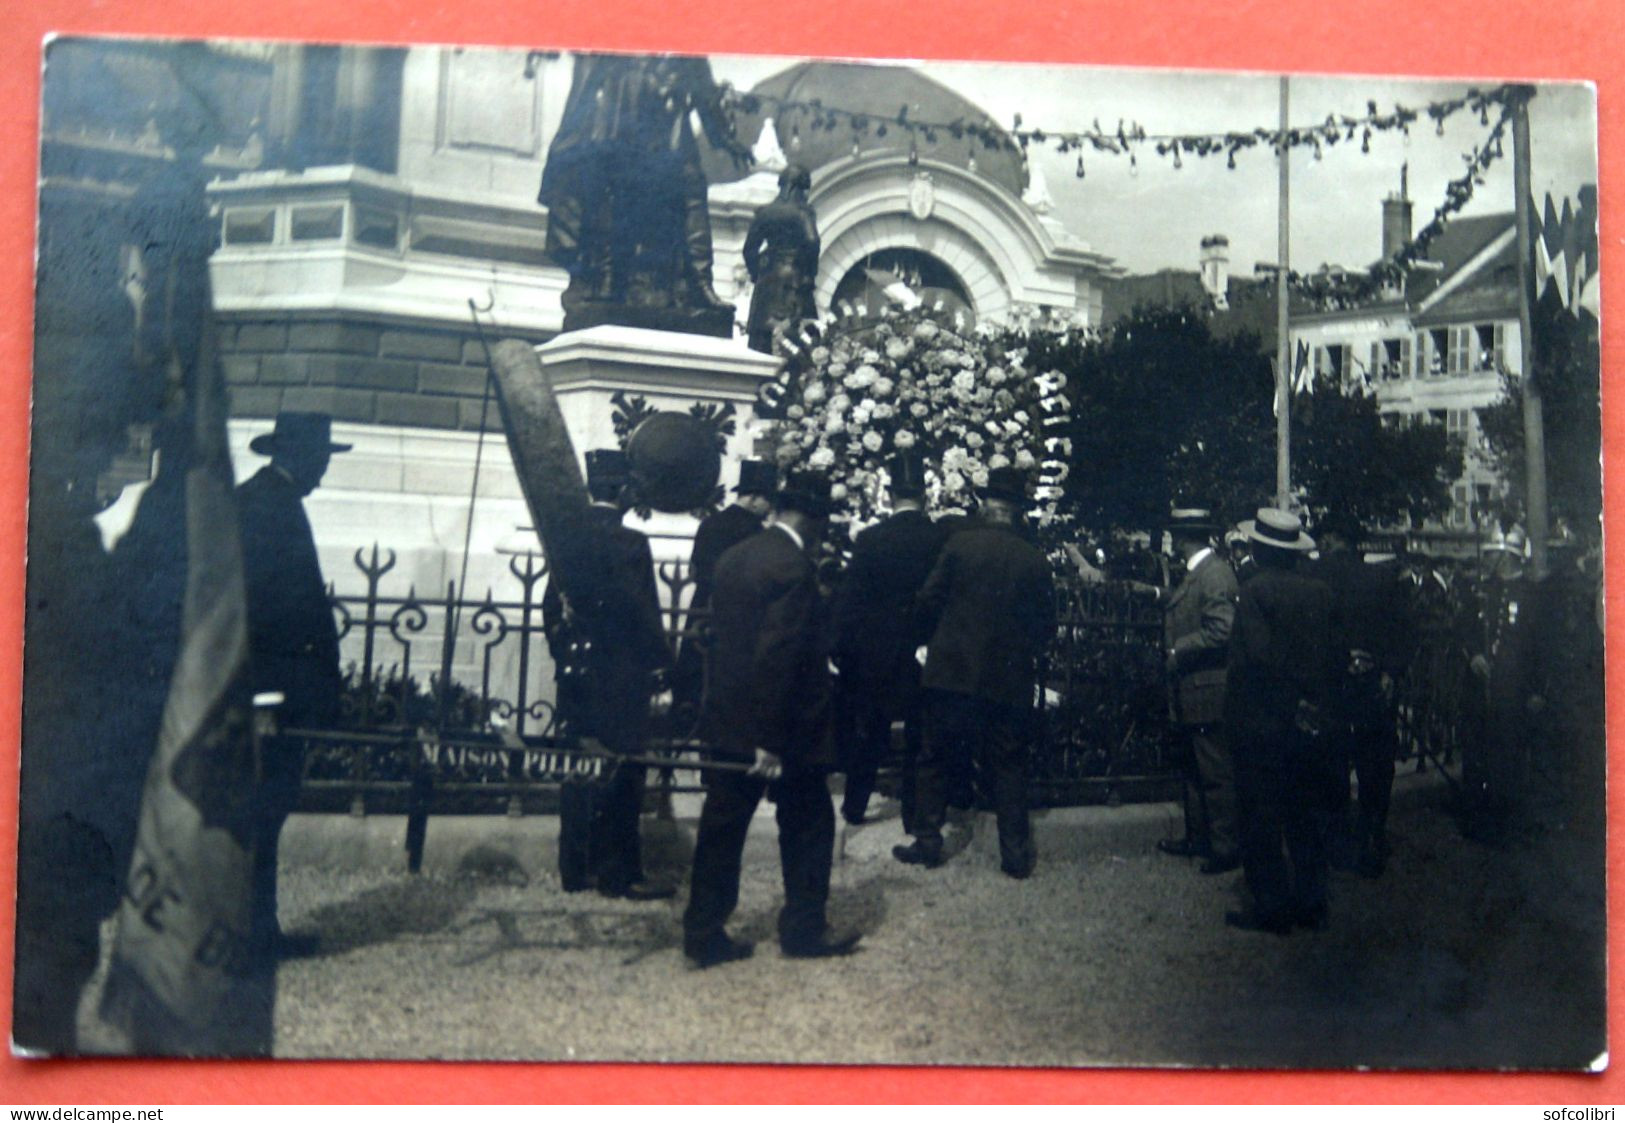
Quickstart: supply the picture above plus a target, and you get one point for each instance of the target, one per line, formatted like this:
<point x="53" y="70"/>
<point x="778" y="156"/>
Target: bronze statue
<point x="628" y="213"/>
<point x="781" y="252"/>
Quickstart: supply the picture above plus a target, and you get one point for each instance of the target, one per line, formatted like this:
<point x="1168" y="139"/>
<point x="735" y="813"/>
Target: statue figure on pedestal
<point x="781" y="252"/>
<point x="628" y="213"/>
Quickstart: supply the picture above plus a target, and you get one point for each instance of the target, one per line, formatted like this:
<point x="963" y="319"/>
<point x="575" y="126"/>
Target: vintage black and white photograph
<point x="552" y="555"/>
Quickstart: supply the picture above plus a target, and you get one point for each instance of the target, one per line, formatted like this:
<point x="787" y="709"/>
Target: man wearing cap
<point x="769" y="707"/>
<point x="717" y="533"/>
<point x="989" y="608"/>
<point x="1370" y="621"/>
<point x="293" y="643"/>
<point x="1277" y="696"/>
<point x="606" y="654"/>
<point x="1197" y="617"/>
<point x="875" y="637"/>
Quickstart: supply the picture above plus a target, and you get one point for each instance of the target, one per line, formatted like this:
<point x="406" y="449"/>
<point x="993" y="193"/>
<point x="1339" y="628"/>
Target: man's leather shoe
<point x="1019" y="870"/>
<point x="1252" y="922"/>
<point x="639" y="890"/>
<point x="1220" y="864"/>
<point x="717" y="950"/>
<point x="825" y="946"/>
<point x="918" y="853"/>
<point x="1180" y="847"/>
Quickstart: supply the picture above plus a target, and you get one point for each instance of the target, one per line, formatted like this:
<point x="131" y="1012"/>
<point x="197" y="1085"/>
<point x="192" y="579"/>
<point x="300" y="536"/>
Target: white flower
<point x="862" y="378"/>
<point x="814" y="393"/>
<point x="834" y="423"/>
<point x="870" y="355"/>
<point x="1025" y="460"/>
<point x="873" y="441"/>
<point x="821" y="459"/>
<point x="820" y="355"/>
<point x="838" y="492"/>
<point x="996" y="374"/>
<point x="837" y="369"/>
<point x="884" y="387"/>
<point x="998" y="460"/>
<point x="925" y="329"/>
<point x="974" y="440"/>
<point x="795" y="413"/>
<point x="840" y="403"/>
<point x="863" y="411"/>
<point x="979" y="477"/>
<point x="993" y="427"/>
<point x="964" y="384"/>
<point x="919" y="409"/>
<point x="953" y="481"/>
<point x="1022" y="417"/>
<point x="954" y="459"/>
<point x="904" y="439"/>
<point x="883" y="411"/>
<point x="897" y="348"/>
<point x="1011" y="428"/>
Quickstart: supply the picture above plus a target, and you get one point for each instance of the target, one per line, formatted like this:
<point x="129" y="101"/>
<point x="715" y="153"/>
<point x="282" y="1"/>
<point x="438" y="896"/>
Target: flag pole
<point x="1283" y="345"/>
<point x="1534" y="426"/>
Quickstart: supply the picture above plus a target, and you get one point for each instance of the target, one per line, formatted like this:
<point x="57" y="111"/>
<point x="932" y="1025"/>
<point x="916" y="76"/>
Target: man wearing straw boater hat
<point x="292" y="640"/>
<point x="1197" y="617"/>
<point x="1277" y="693"/>
<point x="989" y="608"/>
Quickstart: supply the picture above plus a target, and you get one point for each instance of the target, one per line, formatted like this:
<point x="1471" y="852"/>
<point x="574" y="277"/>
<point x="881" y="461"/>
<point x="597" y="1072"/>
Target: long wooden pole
<point x="1283" y="344"/>
<point x="1534" y="423"/>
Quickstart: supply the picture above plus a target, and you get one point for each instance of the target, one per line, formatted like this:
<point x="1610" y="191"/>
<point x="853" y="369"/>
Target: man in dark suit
<point x="769" y="706"/>
<point x="875" y="636"/>
<point x="717" y="534"/>
<point x="1277" y="694"/>
<point x="1374" y="646"/>
<point x="1196" y="620"/>
<point x="293" y="642"/>
<point x="989" y="607"/>
<point x="606" y="654"/>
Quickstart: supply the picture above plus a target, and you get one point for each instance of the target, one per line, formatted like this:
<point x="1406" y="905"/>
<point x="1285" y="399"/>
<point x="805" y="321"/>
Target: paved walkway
<point x="1111" y="954"/>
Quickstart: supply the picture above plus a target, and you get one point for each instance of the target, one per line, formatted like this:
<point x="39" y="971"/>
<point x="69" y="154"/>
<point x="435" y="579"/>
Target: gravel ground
<point x="1460" y="956"/>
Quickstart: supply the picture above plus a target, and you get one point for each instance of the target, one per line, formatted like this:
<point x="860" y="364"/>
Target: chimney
<point x="1215" y="269"/>
<point x="1396" y="216"/>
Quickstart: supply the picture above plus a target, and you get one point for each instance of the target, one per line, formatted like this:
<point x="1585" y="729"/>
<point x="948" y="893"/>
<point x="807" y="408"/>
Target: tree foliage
<point x="1567" y="369"/>
<point x="1164" y="410"/>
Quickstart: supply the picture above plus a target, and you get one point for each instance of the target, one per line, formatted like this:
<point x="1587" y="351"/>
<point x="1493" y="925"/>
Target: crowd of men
<point x="1284" y="680"/>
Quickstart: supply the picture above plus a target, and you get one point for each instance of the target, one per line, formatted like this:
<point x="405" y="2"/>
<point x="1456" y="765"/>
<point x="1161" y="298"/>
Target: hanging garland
<point x="1325" y="291"/>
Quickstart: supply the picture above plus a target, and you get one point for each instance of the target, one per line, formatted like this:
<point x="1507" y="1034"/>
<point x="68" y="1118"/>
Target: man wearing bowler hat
<point x="1196" y="619"/>
<point x="989" y="608"/>
<point x="718" y="532"/>
<point x="1277" y="697"/>
<point x="292" y="640"/>
<point x="875" y="636"/>
<point x="768" y="704"/>
<point x="606" y="654"/>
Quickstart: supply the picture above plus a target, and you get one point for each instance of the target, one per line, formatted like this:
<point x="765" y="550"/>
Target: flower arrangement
<point x="863" y="390"/>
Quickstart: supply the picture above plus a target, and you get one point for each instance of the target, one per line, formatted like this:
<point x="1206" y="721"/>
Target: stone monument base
<point x="711" y="322"/>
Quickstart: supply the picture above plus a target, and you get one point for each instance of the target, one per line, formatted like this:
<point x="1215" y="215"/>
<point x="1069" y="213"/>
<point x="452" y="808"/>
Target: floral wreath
<point x="860" y="388"/>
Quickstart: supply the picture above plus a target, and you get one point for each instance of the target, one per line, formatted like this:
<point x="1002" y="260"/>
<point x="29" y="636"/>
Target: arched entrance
<point x="903" y="277"/>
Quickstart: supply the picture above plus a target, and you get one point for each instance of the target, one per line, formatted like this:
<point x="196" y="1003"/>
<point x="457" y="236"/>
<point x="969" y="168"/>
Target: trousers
<point x="961" y="730"/>
<point x="806" y="818"/>
<point x="1281" y="806"/>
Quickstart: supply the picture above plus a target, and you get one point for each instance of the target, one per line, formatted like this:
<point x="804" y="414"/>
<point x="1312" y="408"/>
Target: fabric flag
<point x="1301" y="386"/>
<point x="1565" y="251"/>
<point x="182" y="979"/>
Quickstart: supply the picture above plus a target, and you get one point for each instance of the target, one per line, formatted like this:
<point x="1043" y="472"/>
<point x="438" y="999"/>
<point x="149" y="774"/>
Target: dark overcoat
<point x="1196" y="624"/>
<point x="608" y="650"/>
<point x="875" y="624"/>
<point x="769" y="685"/>
<point x="1282" y="653"/>
<point x="990" y="610"/>
<point x="1370" y="612"/>
<point x="293" y="642"/>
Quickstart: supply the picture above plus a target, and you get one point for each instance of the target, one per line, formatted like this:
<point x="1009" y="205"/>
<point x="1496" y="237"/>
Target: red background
<point x="1535" y="39"/>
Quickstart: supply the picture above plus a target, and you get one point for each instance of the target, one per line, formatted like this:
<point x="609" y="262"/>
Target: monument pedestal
<point x="669" y="370"/>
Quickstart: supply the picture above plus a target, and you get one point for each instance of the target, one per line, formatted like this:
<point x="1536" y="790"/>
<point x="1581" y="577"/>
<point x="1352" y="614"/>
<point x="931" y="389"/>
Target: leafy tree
<point x="1164" y="409"/>
<point x="1567" y="367"/>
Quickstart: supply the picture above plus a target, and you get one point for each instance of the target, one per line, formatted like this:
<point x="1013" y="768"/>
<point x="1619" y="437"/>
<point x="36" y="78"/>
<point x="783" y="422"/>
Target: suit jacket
<point x="293" y="642"/>
<point x="769" y="683"/>
<point x="718" y="533"/>
<point x="1282" y="653"/>
<point x="989" y="608"/>
<point x="1196" y="625"/>
<point x="875" y="626"/>
<point x="1369" y="610"/>
<point x="607" y="651"/>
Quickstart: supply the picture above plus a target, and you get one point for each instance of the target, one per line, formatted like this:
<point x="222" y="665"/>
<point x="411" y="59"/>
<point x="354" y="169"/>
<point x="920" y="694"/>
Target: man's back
<point x="990" y="607"/>
<point x="890" y="563"/>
